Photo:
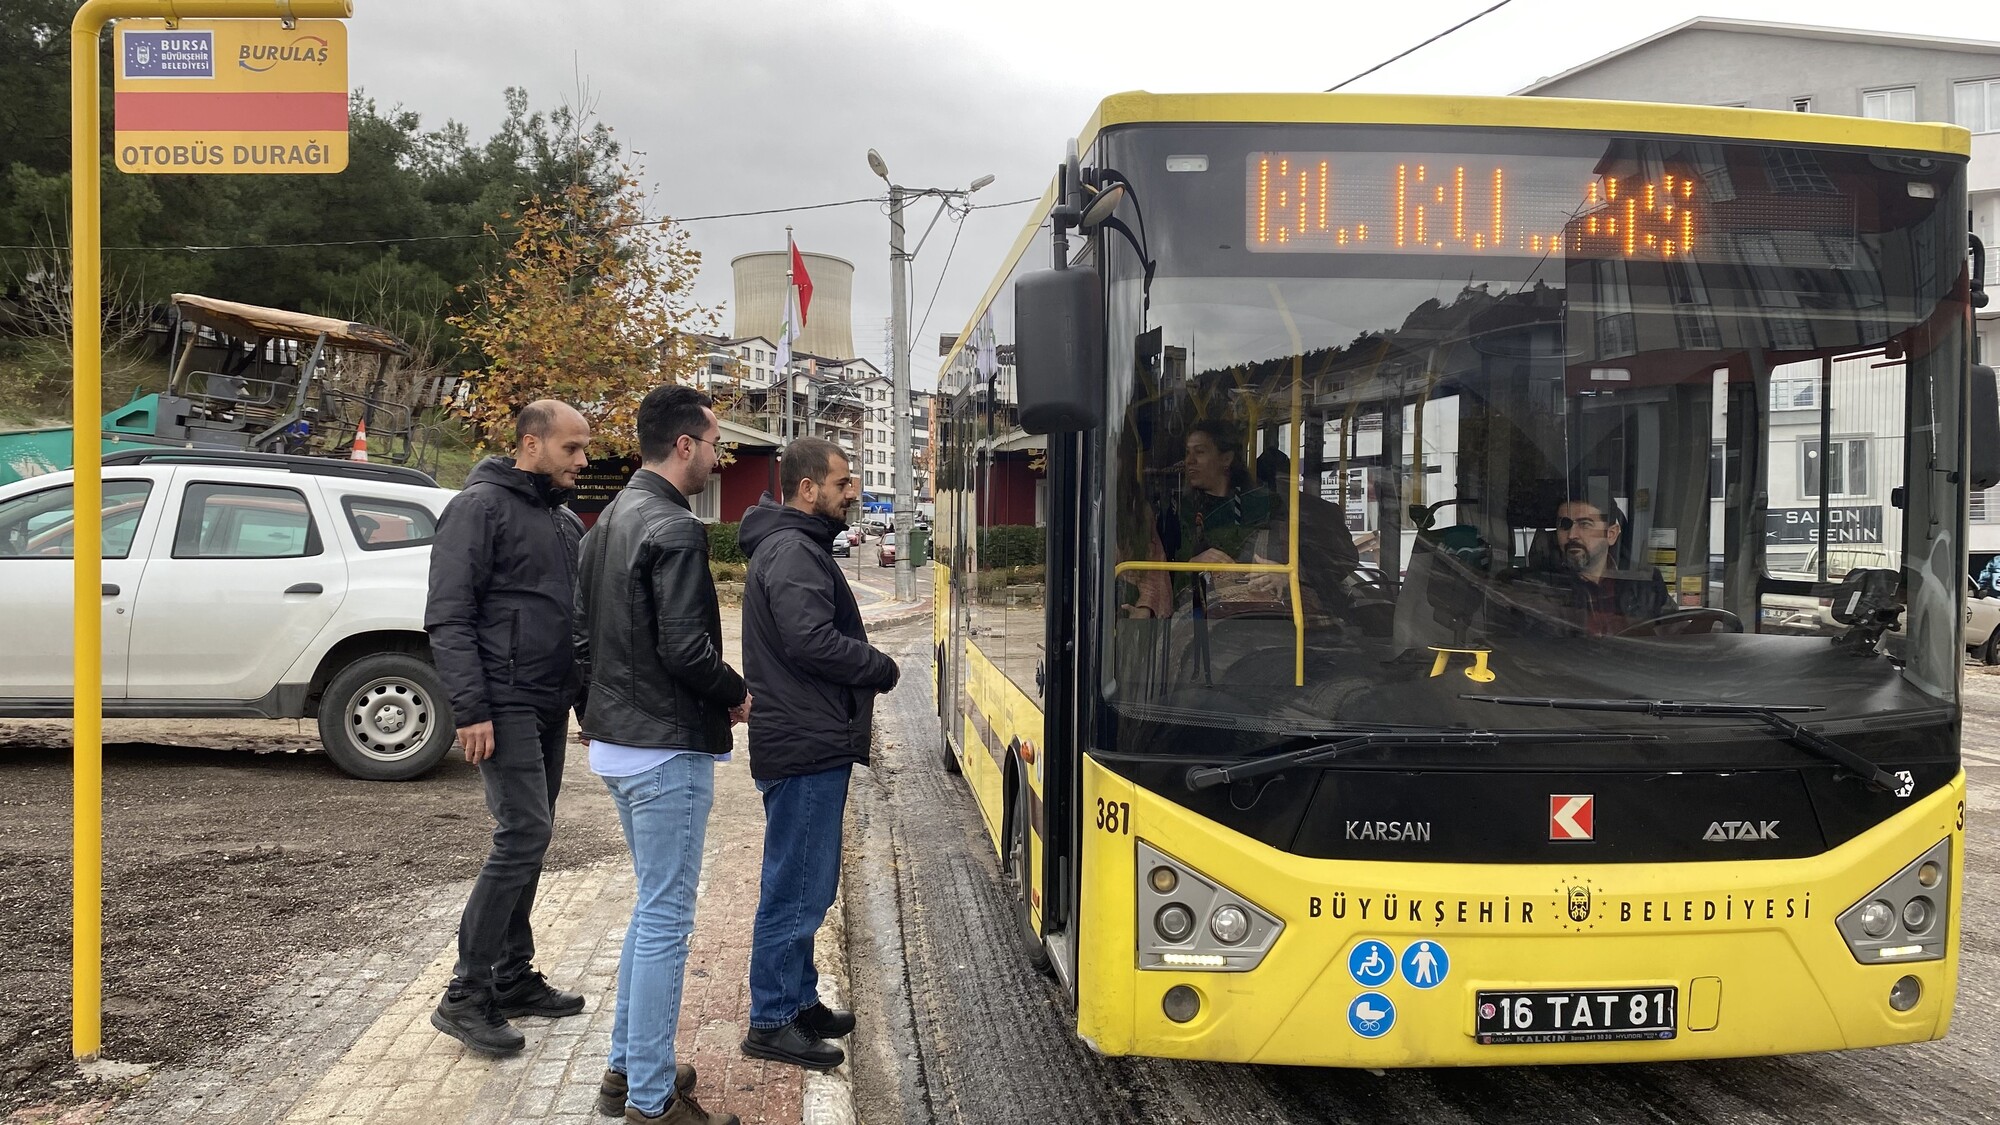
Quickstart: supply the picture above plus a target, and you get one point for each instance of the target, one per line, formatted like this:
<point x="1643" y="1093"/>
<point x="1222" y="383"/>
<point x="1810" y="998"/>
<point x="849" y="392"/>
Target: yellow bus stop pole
<point x="87" y="458"/>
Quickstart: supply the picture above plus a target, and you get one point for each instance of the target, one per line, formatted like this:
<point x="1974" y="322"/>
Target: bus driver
<point x="1610" y="603"/>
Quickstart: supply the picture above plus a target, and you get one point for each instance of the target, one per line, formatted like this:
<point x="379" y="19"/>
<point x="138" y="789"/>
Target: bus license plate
<point x="1576" y="1015"/>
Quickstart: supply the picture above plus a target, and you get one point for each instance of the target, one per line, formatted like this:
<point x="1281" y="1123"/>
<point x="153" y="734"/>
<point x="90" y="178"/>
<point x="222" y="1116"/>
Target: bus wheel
<point x="945" y="757"/>
<point x="1017" y="870"/>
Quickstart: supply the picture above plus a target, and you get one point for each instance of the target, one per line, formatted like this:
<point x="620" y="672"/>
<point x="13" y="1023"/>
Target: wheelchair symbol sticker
<point x="1425" y="964"/>
<point x="1372" y="963"/>
<point x="1371" y="1015"/>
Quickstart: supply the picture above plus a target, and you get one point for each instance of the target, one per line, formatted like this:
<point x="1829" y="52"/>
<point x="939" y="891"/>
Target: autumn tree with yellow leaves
<point x="593" y="305"/>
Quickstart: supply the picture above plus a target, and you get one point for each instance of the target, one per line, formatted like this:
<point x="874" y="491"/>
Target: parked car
<point x="1982" y="624"/>
<point x="887" y="557"/>
<point x="856" y="535"/>
<point x="1812" y="614"/>
<point x="239" y="585"/>
<point x="842" y="546"/>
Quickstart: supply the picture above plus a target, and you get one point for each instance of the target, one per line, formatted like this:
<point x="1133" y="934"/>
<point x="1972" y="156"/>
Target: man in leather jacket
<point x="660" y="704"/>
<point x="502" y="589"/>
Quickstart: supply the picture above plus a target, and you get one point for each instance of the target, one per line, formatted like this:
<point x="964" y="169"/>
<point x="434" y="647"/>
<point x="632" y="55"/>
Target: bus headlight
<point x="1904" y="918"/>
<point x="1229" y="924"/>
<point x="1917" y="914"/>
<point x="1173" y="900"/>
<point x="1877" y="917"/>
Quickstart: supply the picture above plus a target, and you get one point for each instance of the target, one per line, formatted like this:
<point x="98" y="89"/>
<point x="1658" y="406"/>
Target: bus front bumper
<point x="1747" y="954"/>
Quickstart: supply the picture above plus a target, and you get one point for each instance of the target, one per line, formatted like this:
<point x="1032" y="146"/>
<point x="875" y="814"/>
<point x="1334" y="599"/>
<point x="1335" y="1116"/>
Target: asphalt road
<point x="954" y="1027"/>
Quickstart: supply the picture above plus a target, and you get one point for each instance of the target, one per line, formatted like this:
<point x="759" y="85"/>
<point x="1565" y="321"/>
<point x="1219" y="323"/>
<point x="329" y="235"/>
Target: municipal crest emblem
<point x="1579" y="903"/>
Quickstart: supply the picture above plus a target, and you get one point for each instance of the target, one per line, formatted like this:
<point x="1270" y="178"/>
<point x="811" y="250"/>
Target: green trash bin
<point x="920" y="543"/>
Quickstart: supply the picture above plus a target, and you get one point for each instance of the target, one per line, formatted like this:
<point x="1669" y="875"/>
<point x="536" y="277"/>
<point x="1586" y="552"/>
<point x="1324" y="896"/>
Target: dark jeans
<point x="495" y="943"/>
<point x="801" y="873"/>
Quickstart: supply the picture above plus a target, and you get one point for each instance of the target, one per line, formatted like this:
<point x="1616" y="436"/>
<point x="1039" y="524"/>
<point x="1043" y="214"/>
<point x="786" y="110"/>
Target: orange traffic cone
<point x="359" y="450"/>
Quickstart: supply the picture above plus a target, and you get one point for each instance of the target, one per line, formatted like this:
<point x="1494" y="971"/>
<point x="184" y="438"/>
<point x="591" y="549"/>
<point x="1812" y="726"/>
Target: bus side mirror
<point x="1059" y="350"/>
<point x="1983" y="411"/>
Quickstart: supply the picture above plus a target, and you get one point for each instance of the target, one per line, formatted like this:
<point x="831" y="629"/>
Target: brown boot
<point x="683" y="1110"/>
<point x="611" y="1091"/>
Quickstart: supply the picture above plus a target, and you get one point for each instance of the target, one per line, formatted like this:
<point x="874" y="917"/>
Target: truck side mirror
<point x="1059" y="350"/>
<point x="1982" y="463"/>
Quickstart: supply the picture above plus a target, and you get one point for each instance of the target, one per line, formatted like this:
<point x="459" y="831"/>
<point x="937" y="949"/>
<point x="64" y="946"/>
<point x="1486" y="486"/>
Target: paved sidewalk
<point x="350" y="1041"/>
<point x="346" y="1038"/>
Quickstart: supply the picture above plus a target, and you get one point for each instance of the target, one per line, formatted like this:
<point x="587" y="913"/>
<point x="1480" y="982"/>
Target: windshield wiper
<point x="1208" y="777"/>
<point x="1772" y="715"/>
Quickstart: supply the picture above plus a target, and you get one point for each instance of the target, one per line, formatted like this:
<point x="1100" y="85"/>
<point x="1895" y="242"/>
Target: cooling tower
<point x="760" y="301"/>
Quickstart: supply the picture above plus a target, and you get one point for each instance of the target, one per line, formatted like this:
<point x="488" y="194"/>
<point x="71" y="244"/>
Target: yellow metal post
<point x="87" y="409"/>
<point x="87" y="451"/>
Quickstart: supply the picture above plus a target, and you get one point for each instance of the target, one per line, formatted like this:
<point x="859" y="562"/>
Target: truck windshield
<point x="1404" y="418"/>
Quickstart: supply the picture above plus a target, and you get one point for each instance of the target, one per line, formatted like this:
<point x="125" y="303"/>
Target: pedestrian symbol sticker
<point x="1372" y="963"/>
<point x="1371" y="1015"/>
<point x="1425" y="964"/>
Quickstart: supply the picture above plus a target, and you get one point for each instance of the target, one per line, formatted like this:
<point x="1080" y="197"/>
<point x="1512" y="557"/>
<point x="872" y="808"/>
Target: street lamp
<point x="899" y="358"/>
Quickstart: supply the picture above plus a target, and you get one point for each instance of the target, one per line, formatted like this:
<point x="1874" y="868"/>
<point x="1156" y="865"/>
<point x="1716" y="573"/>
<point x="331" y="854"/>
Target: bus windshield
<point x="1400" y="420"/>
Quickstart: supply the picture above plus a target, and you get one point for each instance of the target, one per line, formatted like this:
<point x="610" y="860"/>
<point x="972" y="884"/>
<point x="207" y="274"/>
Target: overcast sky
<point x="756" y="104"/>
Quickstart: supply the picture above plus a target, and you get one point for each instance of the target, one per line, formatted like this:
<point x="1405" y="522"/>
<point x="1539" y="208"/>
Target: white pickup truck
<point x="238" y="585"/>
<point x="1790" y="612"/>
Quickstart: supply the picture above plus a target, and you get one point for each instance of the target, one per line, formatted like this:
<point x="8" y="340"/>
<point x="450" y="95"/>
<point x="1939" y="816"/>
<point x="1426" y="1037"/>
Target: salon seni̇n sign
<point x="230" y="96"/>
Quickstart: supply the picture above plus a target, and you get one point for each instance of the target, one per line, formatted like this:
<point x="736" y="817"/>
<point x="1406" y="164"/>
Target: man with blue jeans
<point x="815" y="675"/>
<point x="659" y="707"/>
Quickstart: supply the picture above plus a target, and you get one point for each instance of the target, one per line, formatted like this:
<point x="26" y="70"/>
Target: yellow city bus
<point x="1355" y="516"/>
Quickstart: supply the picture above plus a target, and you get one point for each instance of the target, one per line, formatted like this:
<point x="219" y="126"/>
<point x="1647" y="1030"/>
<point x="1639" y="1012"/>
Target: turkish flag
<point x="804" y="282"/>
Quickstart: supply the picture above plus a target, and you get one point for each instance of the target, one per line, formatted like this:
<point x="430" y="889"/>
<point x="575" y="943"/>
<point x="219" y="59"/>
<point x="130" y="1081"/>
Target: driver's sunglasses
<point x="1581" y="523"/>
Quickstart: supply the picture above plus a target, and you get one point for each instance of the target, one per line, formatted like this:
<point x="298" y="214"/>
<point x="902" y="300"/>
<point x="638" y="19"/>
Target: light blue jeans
<point x="664" y="812"/>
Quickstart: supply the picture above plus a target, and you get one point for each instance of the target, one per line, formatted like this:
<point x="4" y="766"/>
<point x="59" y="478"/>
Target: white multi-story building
<point x="1880" y="74"/>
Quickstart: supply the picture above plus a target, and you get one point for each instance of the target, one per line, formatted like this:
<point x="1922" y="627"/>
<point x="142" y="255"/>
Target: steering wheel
<point x="1686" y="622"/>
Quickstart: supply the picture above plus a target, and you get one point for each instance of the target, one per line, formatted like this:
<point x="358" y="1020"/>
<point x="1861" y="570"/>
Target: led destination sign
<point x="1438" y="203"/>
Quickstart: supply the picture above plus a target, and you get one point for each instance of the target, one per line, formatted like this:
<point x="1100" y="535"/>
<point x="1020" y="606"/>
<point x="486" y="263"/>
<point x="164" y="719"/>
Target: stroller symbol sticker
<point x="1372" y="963"/>
<point x="1371" y="1015"/>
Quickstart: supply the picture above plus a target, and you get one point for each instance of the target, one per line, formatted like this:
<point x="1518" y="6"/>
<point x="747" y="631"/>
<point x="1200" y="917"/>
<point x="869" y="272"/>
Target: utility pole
<point x="899" y="357"/>
<point x="899" y="395"/>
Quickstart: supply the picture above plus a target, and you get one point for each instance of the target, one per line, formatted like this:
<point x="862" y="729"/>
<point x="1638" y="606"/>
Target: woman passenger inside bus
<point x="1214" y="520"/>
<point x="1223" y="505"/>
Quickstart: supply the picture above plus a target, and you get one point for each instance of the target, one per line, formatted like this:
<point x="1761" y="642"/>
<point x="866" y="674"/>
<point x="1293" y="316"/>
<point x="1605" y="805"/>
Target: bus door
<point x="1065" y="667"/>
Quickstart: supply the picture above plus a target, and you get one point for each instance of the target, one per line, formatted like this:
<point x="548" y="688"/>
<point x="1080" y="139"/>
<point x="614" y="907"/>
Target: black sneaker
<point x="792" y="1044"/>
<point x="611" y="1091"/>
<point x="822" y="1022"/>
<point x="532" y="995"/>
<point x="473" y="1020"/>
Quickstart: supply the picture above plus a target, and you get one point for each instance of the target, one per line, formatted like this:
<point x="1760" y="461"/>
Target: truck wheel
<point x="385" y="718"/>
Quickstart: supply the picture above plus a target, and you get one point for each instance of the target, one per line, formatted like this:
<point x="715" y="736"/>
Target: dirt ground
<point x="230" y="847"/>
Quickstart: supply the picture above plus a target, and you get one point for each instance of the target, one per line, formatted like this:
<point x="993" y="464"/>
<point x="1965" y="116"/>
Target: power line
<point x="959" y="229"/>
<point x="207" y="249"/>
<point x="1422" y="45"/>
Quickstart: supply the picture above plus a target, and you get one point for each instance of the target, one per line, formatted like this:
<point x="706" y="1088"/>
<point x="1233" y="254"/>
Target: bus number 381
<point x="1114" y="816"/>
